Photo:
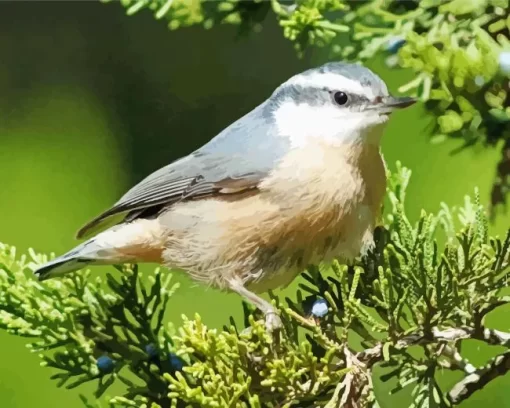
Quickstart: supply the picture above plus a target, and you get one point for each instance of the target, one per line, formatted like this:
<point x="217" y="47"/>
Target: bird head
<point x="334" y="103"/>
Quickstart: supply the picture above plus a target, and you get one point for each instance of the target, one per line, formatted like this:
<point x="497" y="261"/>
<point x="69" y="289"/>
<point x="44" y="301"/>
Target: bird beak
<point x="398" y="103"/>
<point x="389" y="104"/>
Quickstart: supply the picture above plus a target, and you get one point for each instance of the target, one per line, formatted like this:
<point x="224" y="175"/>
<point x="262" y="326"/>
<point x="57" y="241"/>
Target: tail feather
<point x="139" y="241"/>
<point x="79" y="257"/>
<point x="61" y="266"/>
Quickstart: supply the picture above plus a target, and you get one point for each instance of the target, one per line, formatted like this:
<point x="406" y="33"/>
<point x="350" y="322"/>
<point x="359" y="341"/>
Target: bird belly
<point x="264" y="243"/>
<point x="314" y="207"/>
<point x="344" y="239"/>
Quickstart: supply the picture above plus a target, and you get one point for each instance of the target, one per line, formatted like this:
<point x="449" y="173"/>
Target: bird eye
<point x="340" y="98"/>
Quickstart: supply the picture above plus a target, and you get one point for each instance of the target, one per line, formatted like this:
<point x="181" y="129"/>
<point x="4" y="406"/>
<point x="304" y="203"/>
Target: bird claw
<point x="273" y="322"/>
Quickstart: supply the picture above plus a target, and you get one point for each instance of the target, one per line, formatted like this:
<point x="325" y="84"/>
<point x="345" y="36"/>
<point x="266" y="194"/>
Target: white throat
<point x="304" y="124"/>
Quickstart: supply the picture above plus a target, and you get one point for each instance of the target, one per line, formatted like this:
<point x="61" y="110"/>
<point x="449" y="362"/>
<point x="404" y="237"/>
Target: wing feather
<point x="234" y="161"/>
<point x="168" y="194"/>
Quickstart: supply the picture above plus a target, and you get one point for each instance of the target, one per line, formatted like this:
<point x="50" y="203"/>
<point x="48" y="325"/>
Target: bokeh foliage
<point x="459" y="52"/>
<point x="40" y="229"/>
<point x="411" y="301"/>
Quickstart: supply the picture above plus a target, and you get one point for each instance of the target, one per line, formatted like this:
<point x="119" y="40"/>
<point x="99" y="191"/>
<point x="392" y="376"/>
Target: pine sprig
<point x="408" y="303"/>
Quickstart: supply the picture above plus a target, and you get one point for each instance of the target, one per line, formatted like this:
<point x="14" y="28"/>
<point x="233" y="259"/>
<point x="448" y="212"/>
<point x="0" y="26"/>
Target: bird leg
<point x="273" y="321"/>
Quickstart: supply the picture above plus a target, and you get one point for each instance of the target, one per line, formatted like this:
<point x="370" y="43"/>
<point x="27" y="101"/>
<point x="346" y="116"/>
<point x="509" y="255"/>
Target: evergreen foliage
<point x="405" y="307"/>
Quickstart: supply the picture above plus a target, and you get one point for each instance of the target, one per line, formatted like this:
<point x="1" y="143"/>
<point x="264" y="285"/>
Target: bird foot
<point x="273" y="321"/>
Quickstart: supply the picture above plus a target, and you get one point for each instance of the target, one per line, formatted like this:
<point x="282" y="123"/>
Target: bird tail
<point x="84" y="254"/>
<point x="137" y="241"/>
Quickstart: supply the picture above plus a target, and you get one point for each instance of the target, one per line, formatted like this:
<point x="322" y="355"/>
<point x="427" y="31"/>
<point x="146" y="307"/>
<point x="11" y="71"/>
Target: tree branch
<point x="475" y="379"/>
<point x="493" y="337"/>
<point x="455" y="357"/>
<point x="479" y="379"/>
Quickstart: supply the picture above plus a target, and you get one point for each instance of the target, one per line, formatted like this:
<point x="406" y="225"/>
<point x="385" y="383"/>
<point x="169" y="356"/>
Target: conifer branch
<point x="407" y="293"/>
<point x="475" y="381"/>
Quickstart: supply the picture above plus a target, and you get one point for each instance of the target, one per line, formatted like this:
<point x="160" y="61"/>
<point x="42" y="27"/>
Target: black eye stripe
<point x="353" y="100"/>
<point x="318" y="96"/>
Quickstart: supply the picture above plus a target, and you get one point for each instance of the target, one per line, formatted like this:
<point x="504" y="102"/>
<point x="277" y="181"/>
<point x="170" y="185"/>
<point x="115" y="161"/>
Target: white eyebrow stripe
<point x="330" y="81"/>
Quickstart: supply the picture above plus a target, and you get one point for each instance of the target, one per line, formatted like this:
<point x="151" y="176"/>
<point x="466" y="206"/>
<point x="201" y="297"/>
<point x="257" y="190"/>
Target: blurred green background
<point x="91" y="101"/>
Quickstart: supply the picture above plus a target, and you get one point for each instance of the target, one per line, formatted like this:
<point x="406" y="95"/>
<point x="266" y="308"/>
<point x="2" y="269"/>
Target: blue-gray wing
<point x="235" y="161"/>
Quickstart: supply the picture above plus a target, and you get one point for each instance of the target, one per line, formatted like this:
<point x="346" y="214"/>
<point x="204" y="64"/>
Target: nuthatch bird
<point x="298" y="180"/>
